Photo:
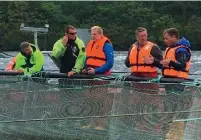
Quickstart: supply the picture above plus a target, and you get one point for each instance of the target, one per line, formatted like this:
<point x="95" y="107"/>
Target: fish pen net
<point x="39" y="108"/>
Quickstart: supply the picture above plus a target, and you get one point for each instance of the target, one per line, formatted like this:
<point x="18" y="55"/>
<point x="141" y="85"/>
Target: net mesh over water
<point x="72" y="109"/>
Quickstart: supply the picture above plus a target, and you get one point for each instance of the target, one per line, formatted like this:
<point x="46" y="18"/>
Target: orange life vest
<point x="11" y="64"/>
<point x="136" y="58"/>
<point x="95" y="54"/>
<point x="170" y="71"/>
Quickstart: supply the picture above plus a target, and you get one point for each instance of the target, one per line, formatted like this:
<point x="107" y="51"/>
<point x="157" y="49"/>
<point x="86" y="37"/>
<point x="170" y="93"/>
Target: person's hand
<point x="165" y="63"/>
<point x="20" y="70"/>
<point x="71" y="73"/>
<point x="65" y="40"/>
<point x="148" y="60"/>
<point x="84" y="71"/>
<point x="91" y="71"/>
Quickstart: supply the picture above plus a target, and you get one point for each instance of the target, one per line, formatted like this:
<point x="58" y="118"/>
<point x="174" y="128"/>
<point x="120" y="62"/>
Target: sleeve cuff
<point x="156" y="61"/>
<point x="171" y="63"/>
<point x="75" y="70"/>
<point x="96" y="71"/>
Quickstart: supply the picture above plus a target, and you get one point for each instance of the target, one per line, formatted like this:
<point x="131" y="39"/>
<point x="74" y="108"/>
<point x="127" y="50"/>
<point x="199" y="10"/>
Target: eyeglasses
<point x="72" y="33"/>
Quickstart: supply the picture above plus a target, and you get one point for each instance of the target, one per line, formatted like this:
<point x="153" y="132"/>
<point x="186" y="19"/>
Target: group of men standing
<point x="144" y="57"/>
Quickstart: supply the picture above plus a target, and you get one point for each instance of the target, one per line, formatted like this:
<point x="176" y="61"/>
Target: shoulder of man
<point x="184" y="49"/>
<point x="155" y="46"/>
<point x="19" y="56"/>
<point x="80" y="44"/>
<point x="108" y="44"/>
<point x="38" y="52"/>
<point x="156" y="51"/>
<point x="59" y="41"/>
<point x="108" y="48"/>
<point x="135" y="43"/>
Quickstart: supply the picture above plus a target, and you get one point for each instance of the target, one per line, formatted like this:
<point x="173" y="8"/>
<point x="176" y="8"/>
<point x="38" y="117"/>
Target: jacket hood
<point x="33" y="47"/>
<point x="183" y="41"/>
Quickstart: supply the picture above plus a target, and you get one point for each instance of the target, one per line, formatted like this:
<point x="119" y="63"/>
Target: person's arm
<point x="127" y="62"/>
<point x="80" y="61"/>
<point x="39" y="62"/>
<point x="11" y="64"/>
<point x="109" y="53"/>
<point x="158" y="56"/>
<point x="182" y="56"/>
<point x="19" y="62"/>
<point x="58" y="49"/>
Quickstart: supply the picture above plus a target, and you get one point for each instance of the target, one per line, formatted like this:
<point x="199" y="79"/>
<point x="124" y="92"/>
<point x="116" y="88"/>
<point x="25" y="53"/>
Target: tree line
<point x="118" y="19"/>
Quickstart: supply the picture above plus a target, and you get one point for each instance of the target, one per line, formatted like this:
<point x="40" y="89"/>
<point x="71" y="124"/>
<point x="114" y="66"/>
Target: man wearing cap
<point x="29" y="60"/>
<point x="70" y="51"/>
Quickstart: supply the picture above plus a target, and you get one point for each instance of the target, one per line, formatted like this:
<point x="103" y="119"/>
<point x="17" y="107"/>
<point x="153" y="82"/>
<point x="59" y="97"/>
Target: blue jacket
<point x="109" y="53"/>
<point x="182" y="55"/>
<point x="185" y="43"/>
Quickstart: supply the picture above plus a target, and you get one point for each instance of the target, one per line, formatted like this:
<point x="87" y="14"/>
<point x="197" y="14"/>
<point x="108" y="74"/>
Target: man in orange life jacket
<point x="177" y="55"/>
<point x="176" y="59"/>
<point x="140" y="52"/>
<point x="137" y="58"/>
<point x="176" y="64"/>
<point x="100" y="53"/>
<point x="100" y="59"/>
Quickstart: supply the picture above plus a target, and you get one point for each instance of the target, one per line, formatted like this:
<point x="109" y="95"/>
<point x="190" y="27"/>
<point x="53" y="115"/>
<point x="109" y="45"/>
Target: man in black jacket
<point x="70" y="50"/>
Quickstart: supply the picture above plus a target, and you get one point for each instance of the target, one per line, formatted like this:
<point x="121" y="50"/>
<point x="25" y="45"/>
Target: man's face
<point x="142" y="37"/>
<point x="28" y="50"/>
<point x="169" y="40"/>
<point x="95" y="35"/>
<point x="71" y="34"/>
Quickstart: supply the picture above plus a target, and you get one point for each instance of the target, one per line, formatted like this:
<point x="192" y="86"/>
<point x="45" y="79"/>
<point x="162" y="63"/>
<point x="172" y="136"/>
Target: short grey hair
<point x="140" y="29"/>
<point x="24" y="45"/>
<point x="98" y="29"/>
